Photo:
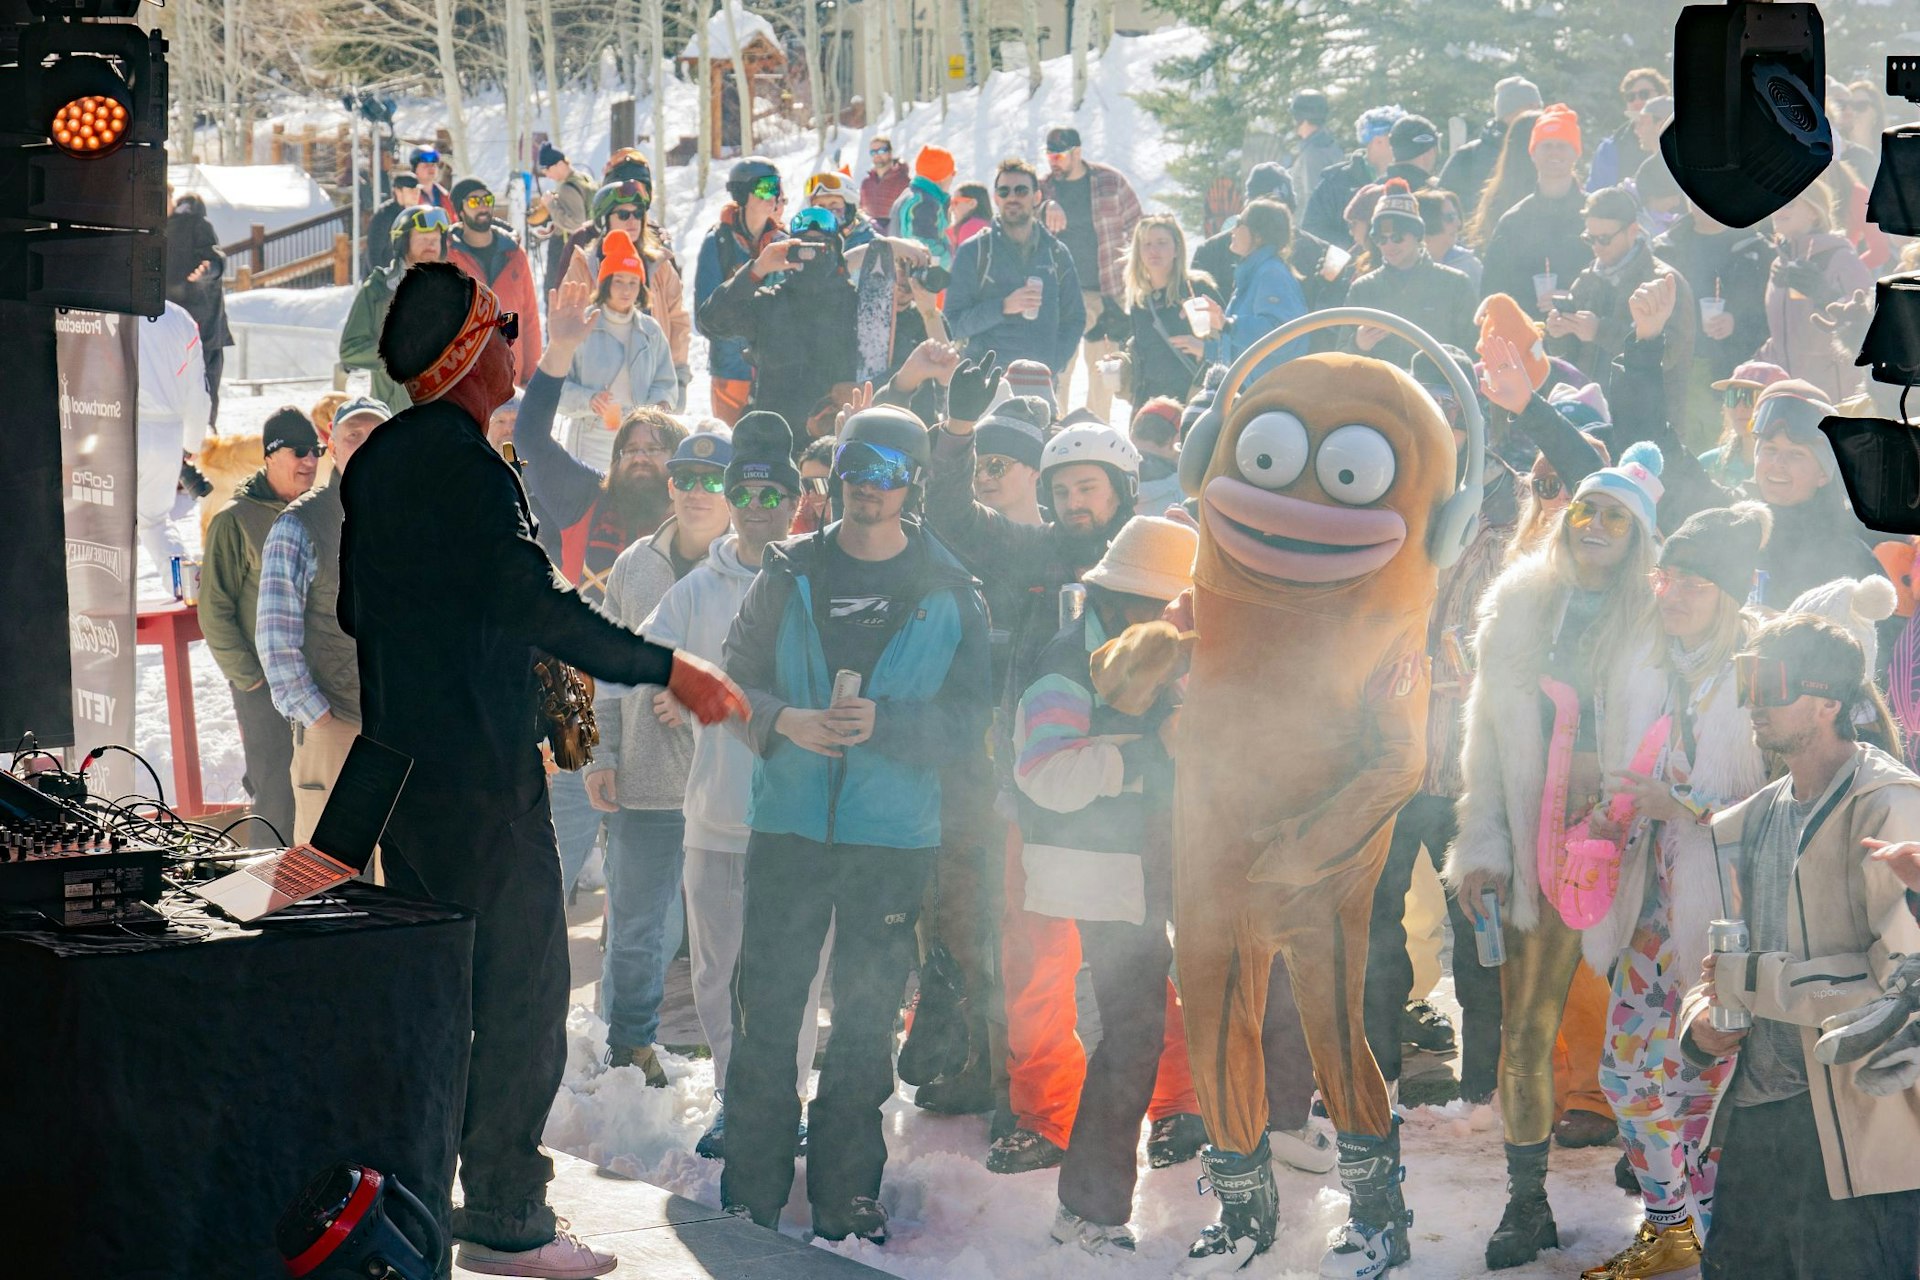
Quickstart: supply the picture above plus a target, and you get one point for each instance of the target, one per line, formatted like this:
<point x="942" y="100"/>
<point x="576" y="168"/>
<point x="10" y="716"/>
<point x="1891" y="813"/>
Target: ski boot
<point x="1175" y="1140"/>
<point x="1527" y="1226"/>
<point x="1306" y="1149"/>
<point x="1249" y="1211"/>
<point x="1092" y="1237"/>
<point x="1379" y="1224"/>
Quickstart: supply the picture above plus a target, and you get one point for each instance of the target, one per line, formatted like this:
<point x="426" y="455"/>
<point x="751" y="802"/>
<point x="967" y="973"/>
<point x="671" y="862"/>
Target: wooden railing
<point x="309" y="254"/>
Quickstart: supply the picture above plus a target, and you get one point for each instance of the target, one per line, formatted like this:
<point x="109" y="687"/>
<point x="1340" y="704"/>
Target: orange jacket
<point x="515" y="288"/>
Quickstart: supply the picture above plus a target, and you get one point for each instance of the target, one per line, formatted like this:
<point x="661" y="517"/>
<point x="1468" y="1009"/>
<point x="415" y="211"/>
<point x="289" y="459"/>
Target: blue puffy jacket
<point x="1266" y="294"/>
<point x="930" y="687"/>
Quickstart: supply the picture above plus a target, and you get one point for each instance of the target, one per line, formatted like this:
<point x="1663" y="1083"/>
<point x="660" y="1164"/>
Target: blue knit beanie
<point x="1634" y="484"/>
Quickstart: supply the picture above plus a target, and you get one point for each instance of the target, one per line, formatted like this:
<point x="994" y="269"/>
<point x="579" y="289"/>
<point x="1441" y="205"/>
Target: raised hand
<point x="973" y="387"/>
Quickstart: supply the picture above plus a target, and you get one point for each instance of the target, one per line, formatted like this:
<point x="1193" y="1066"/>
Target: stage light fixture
<point x="1749" y="129"/>
<point x="1895" y="203"/>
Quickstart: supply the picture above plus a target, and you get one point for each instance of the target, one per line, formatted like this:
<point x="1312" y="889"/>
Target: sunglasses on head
<point x="993" y="468"/>
<point x="765" y="496"/>
<point x="711" y="481"/>
<point x="1616" y="521"/>
<point x="1765" y="682"/>
<point x="767" y="189"/>
<point x="1547" y="488"/>
<point x="480" y="200"/>
<point x="873" y="465"/>
<point x="1008" y="190"/>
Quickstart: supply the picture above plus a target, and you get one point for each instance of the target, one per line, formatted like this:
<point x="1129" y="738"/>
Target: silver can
<point x="190" y="582"/>
<point x="1073" y="604"/>
<point x="1728" y="937"/>
<point x="1489" y="937"/>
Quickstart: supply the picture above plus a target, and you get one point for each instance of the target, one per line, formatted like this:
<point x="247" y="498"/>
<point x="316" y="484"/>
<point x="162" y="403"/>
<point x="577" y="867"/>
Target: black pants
<point x="1772" y="1216"/>
<point x="266" y="739"/>
<point x="1283" y="1048"/>
<point x="1128" y="965"/>
<point x="494" y="851"/>
<point x="795" y="889"/>
<point x="1428" y="821"/>
<point x="216" y="368"/>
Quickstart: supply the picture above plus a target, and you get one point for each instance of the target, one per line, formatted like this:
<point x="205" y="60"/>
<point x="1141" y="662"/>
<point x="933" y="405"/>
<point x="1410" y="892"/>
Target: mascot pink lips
<point x="1298" y="541"/>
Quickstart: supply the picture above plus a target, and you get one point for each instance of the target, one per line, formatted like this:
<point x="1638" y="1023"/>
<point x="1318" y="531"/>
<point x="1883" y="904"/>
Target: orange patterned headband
<point x="459" y="358"/>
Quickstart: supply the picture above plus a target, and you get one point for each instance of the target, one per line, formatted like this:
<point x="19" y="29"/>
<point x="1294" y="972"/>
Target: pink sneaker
<point x="565" y="1257"/>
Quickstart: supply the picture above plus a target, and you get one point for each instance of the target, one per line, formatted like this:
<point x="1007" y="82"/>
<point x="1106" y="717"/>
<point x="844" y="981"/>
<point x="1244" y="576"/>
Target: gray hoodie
<point x="696" y="615"/>
<point x="649" y="759"/>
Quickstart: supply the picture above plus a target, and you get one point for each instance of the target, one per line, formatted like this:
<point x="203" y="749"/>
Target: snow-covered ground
<point x="952" y="1220"/>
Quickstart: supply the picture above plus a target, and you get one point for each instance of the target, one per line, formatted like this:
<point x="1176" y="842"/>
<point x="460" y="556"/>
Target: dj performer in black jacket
<point x="447" y="596"/>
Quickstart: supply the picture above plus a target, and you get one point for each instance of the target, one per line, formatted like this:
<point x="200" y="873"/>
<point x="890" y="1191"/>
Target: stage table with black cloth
<point x="163" y="1098"/>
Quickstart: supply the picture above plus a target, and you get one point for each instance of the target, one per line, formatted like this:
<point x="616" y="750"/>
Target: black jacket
<point x="1438" y="299"/>
<point x="1533" y="233"/>
<point x="448" y="596"/>
<point x="380" y="235"/>
<point x="1735" y="260"/>
<point x="1468" y="170"/>
<point x="1326" y="215"/>
<point x="800" y="333"/>
<point x="1157" y="369"/>
<point x="191" y="240"/>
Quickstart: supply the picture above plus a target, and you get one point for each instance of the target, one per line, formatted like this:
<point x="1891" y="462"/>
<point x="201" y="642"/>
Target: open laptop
<point x="343" y="841"/>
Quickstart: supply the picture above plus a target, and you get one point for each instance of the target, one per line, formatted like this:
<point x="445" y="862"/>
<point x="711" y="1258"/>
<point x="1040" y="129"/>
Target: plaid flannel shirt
<point x="287" y="568"/>
<point x="1115" y="211"/>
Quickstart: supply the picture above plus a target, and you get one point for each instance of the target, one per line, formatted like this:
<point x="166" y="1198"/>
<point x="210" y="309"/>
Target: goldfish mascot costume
<point x="1328" y="503"/>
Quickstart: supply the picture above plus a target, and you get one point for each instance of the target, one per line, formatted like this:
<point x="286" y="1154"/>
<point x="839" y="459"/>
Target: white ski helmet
<point x="1097" y="444"/>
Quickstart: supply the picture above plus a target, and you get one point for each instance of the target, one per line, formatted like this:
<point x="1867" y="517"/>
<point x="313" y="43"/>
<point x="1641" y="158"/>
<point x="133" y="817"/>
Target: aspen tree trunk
<point x="1077" y="41"/>
<point x="1031" y="31"/>
<point x="810" y="33"/>
<point x="450" y="80"/>
<point x="742" y="81"/>
<point x="549" y="64"/>
<point x="659" y="72"/>
<point x="703" y="85"/>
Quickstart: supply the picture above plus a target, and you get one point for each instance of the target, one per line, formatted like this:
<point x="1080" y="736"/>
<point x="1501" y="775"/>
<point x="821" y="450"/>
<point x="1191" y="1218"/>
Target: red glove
<point x="704" y="690"/>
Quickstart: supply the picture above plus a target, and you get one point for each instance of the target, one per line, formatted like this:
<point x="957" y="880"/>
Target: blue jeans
<point x="644" y="856"/>
<point x="576" y="825"/>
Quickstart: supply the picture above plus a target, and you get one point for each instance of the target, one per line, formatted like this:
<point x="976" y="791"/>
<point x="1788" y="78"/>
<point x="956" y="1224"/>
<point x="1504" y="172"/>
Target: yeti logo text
<point x="91" y="486"/>
<point x="100" y="637"/>
<point x="82" y="554"/>
<point x="66" y="405"/>
<point x="97" y="707"/>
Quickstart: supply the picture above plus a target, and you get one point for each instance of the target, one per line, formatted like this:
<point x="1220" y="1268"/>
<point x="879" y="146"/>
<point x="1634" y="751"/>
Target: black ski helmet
<point x="890" y="427"/>
<point x="742" y="176"/>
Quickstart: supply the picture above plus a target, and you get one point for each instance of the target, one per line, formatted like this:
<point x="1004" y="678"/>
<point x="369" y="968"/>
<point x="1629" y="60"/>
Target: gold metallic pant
<point x="1533" y="991"/>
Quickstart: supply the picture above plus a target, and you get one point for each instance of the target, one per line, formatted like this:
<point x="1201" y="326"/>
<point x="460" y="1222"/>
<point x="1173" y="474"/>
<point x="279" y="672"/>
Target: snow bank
<point x="237" y="196"/>
<point x="744" y="24"/>
<point x="286" y="333"/>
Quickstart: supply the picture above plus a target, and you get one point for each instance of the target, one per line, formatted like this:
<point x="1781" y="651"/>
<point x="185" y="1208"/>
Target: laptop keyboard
<point x="295" y="873"/>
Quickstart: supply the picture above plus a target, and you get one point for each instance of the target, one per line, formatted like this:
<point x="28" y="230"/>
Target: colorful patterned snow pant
<point x="1663" y="1102"/>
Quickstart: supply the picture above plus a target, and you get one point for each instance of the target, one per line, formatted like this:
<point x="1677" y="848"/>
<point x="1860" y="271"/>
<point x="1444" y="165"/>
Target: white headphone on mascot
<point x="1454" y="526"/>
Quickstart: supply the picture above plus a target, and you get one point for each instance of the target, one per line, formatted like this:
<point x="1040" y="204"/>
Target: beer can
<point x="1728" y="937"/>
<point x="190" y="581"/>
<point x="846" y="684"/>
<point x="173" y="570"/>
<point x="1489" y="937"/>
<point x="1073" y="604"/>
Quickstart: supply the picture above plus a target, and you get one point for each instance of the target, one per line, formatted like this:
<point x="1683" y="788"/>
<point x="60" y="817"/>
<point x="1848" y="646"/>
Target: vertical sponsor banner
<point x="98" y="365"/>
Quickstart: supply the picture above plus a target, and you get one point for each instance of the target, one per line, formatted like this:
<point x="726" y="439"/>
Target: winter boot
<point x="1023" y="1151"/>
<point x="1175" y="1140"/>
<point x="643" y="1056"/>
<point x="1527" y="1226"/>
<point x="1379" y="1224"/>
<point x="861" y="1217"/>
<point x="969" y="1093"/>
<point x="1249" y="1211"/>
<point x="1093" y="1237"/>
<point x="713" y="1143"/>
<point x="1426" y="1028"/>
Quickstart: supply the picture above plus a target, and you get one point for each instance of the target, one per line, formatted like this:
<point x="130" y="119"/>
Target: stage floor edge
<point x="662" y="1236"/>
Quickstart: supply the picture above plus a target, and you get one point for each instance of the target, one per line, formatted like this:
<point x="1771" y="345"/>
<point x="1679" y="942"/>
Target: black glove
<point x="1803" y="278"/>
<point x="973" y="387"/>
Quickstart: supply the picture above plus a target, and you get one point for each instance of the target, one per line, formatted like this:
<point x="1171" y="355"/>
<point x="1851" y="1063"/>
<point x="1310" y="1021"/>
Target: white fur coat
<point x="1728" y="766"/>
<point x="1504" y="752"/>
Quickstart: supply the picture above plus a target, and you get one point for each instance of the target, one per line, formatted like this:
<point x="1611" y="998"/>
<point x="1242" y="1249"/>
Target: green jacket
<point x="230" y="579"/>
<point x="360" y="340"/>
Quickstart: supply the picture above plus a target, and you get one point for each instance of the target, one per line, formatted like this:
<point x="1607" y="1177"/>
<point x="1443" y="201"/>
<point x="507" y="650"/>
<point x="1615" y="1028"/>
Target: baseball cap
<point x="1062" y="138"/>
<point x="702" y="449"/>
<point x="289" y="428"/>
<point x="357" y="406"/>
<point x="1752" y="373"/>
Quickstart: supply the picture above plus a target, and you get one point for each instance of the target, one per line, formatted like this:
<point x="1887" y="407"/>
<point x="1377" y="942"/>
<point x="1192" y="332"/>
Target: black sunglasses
<point x="1547" y="488"/>
<point x="1398" y="237"/>
<point x="1017" y="189"/>
<point x="1593" y="241"/>
<point x="304" y="451"/>
<point x="508" y="323"/>
<point x="993" y="468"/>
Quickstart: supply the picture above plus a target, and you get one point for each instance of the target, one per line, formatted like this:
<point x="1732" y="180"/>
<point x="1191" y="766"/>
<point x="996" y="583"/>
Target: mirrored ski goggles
<point x="767" y="188"/>
<point x="1765" y="682"/>
<point x="874" y="465"/>
<point x="814" y="218"/>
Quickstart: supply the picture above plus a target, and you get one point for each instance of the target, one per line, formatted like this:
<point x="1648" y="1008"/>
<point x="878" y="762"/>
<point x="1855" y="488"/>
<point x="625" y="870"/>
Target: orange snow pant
<point x="1228" y="929"/>
<point x="730" y="398"/>
<point x="1576" y="1055"/>
<point x="1046" y="1063"/>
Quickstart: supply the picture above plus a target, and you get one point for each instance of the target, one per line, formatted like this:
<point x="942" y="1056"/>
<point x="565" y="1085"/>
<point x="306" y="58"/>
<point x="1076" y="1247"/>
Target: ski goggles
<point x="712" y="481"/>
<point x="1616" y="521"/>
<point x="873" y="465"/>
<point x="422" y="218"/>
<point x="1766" y="682"/>
<point x="814" y="218"/>
<point x="768" y="188"/>
<point x="765" y="496"/>
<point x="814" y="486"/>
